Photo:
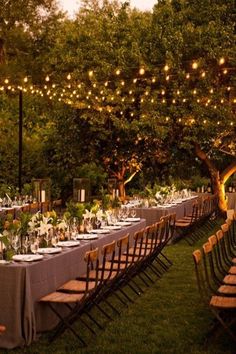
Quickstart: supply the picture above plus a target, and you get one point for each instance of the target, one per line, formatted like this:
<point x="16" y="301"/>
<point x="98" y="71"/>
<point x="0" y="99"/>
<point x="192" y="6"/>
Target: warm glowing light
<point x="68" y="77"/>
<point x="211" y="90"/>
<point x="47" y="78"/>
<point x="228" y="88"/>
<point x="221" y="61"/>
<point x="204" y="121"/>
<point x="163" y="92"/>
<point x="106" y="83"/>
<point x="153" y="80"/>
<point x="6" y="81"/>
<point x="166" y="67"/>
<point x="194" y="65"/>
<point x="225" y="71"/>
<point x="90" y="73"/>
<point x="25" y="79"/>
<point x="173" y="101"/>
<point x="118" y="72"/>
<point x="134" y="81"/>
<point x="195" y="92"/>
<point x="187" y="76"/>
<point x="141" y="71"/>
<point x="203" y="74"/>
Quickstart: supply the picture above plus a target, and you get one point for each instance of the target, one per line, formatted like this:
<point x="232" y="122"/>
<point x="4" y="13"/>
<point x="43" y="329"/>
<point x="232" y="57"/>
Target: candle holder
<point x="42" y="189"/>
<point x="81" y="190"/>
<point x="113" y="187"/>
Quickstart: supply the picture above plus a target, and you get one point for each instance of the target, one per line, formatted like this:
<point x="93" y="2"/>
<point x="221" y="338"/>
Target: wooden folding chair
<point x="75" y="296"/>
<point x="223" y="308"/>
<point x="2" y="329"/>
<point x="34" y="208"/>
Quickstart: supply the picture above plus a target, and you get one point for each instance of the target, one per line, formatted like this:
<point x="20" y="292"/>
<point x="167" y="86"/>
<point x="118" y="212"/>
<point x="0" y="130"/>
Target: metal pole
<point x="20" y="138"/>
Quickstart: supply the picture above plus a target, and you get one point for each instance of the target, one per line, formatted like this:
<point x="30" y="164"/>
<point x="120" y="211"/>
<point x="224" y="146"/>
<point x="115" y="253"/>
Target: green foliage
<point x="74" y="210"/>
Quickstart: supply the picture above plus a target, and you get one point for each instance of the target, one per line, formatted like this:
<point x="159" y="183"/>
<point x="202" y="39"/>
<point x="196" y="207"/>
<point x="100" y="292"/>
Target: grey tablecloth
<point x="154" y="214"/>
<point x="231" y="200"/>
<point x="23" y="284"/>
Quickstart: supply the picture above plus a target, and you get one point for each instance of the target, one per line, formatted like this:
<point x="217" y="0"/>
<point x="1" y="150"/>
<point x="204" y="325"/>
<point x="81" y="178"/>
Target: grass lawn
<point x="168" y="318"/>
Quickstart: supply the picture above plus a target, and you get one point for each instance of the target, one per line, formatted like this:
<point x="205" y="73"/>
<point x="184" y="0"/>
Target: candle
<point x="82" y="195"/>
<point x="43" y="195"/>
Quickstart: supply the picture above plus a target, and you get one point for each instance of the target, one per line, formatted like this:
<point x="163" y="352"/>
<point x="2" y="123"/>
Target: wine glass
<point x="133" y="213"/>
<point x="15" y="243"/>
<point x="47" y="237"/>
<point x="26" y="244"/>
<point x="97" y="222"/>
<point x="34" y="247"/>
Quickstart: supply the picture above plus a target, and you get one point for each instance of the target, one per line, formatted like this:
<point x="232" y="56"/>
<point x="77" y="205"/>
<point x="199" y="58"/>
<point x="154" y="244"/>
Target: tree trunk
<point x="218" y="179"/>
<point x="121" y="187"/>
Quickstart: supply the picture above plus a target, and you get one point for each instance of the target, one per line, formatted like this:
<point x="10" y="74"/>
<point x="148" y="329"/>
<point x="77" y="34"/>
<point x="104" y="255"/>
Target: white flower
<point x="100" y="214"/>
<point x="62" y="225"/>
<point x="88" y="214"/>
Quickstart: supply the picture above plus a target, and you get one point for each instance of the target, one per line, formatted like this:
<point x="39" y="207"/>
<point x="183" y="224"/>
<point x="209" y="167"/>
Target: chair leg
<point x="66" y="325"/>
<point x="92" y="319"/>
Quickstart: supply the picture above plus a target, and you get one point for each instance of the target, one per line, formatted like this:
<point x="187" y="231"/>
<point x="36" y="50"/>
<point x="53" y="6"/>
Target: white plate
<point x="111" y="227"/>
<point x="49" y="250"/>
<point x="3" y="262"/>
<point x="86" y="237"/>
<point x="68" y="243"/>
<point x="133" y="219"/>
<point x="123" y="223"/>
<point x="27" y="257"/>
<point x="100" y="231"/>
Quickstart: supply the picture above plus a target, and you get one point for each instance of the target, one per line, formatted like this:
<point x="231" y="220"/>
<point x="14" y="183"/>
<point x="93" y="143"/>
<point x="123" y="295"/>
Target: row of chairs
<point x="215" y="267"/>
<point x="122" y="266"/>
<point x="204" y="211"/>
<point x="32" y="208"/>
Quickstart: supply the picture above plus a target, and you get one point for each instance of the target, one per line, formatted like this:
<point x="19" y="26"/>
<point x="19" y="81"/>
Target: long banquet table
<point x="231" y="200"/>
<point x="23" y="284"/>
<point x="153" y="214"/>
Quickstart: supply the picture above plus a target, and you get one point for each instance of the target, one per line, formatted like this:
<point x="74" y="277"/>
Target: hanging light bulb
<point x="166" y="67"/>
<point x="141" y="71"/>
<point x="221" y="61"/>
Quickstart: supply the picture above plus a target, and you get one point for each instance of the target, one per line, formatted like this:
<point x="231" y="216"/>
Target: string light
<point x="166" y="68"/>
<point x="221" y="61"/>
<point x="47" y="78"/>
<point x="118" y="72"/>
<point x="68" y="77"/>
<point x="194" y="65"/>
<point x="141" y="71"/>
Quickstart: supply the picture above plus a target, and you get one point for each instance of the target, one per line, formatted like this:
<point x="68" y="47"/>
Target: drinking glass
<point x="133" y="213"/>
<point x="34" y="247"/>
<point x="47" y="238"/>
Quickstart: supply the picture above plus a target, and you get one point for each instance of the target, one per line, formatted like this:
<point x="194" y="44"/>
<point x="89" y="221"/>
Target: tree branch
<point x="130" y="178"/>
<point x="228" y="171"/>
